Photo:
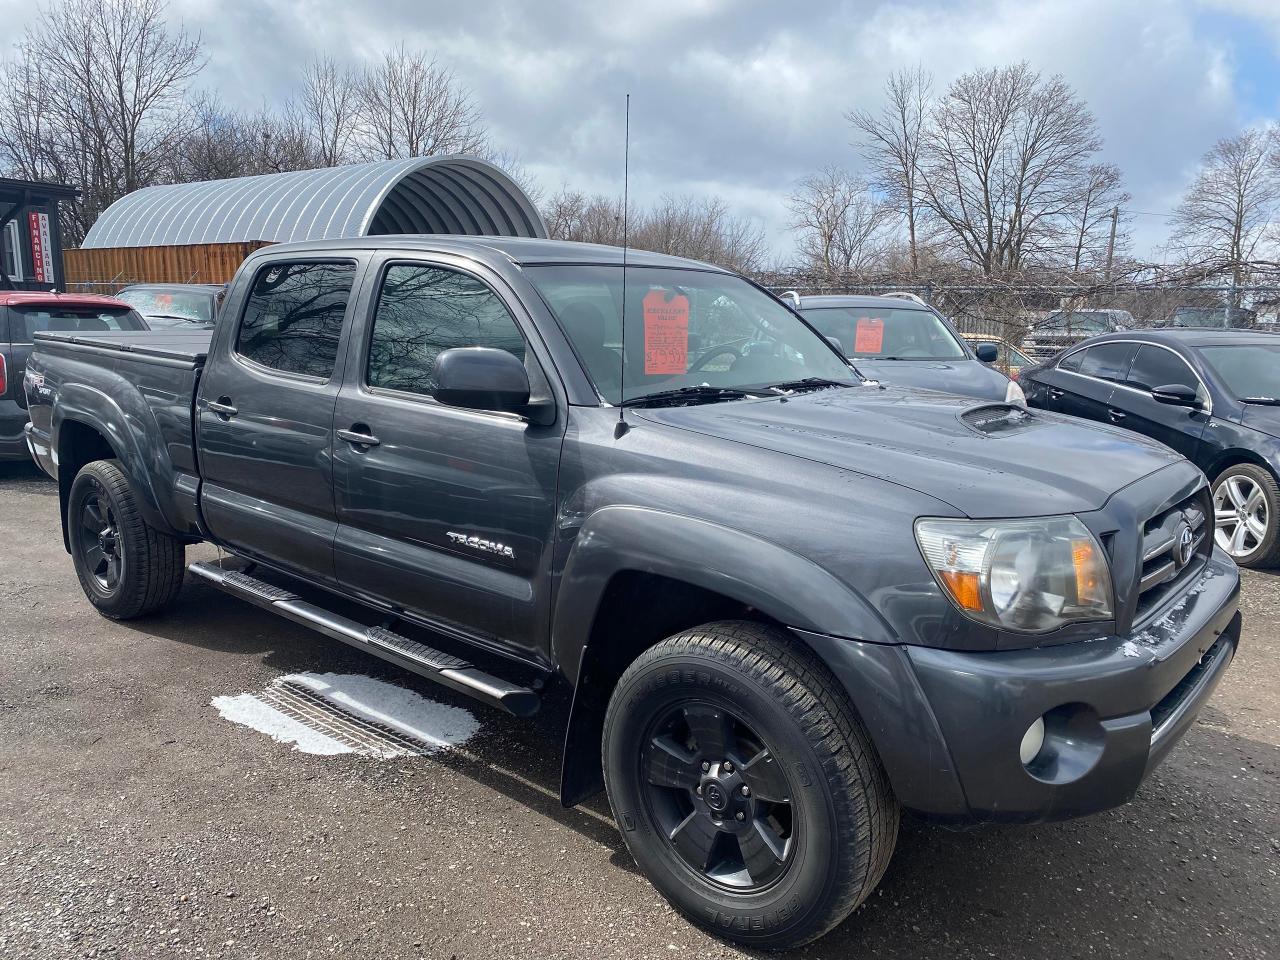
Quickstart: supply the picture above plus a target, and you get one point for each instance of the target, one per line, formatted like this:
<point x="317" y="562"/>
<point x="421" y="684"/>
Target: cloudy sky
<point x="739" y="99"/>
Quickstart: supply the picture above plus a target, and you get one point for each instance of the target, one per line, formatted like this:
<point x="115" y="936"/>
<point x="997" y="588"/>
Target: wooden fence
<point x="107" y="269"/>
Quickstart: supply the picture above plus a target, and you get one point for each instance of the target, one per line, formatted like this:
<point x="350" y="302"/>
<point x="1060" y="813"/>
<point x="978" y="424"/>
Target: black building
<point x="30" y="236"/>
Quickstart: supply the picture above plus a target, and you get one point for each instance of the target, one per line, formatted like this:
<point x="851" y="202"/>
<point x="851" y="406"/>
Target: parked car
<point x="1213" y="396"/>
<point x="1009" y="359"/>
<point x="23" y="314"/>
<point x="1217" y="317"/>
<point x="786" y="600"/>
<point x="169" y="305"/>
<point x="1065" y="328"/>
<point x="906" y="342"/>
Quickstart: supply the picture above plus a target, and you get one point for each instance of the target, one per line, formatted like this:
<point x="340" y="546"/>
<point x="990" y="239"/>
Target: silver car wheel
<point x="1240" y="515"/>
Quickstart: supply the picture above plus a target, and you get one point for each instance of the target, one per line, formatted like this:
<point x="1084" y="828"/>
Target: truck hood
<point x="970" y="378"/>
<point x="985" y="459"/>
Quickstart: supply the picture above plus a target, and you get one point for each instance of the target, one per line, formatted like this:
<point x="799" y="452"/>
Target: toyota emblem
<point x="1183" y="545"/>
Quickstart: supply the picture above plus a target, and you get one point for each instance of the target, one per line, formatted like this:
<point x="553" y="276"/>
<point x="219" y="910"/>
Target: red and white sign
<point x="666" y="333"/>
<point x="868" y="335"/>
<point x="41" y="246"/>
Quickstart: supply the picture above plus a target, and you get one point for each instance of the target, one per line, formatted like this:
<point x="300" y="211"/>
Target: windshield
<point x="887" y="333"/>
<point x="1247" y="369"/>
<point x="1075" y="323"/>
<point x="77" y="319"/>
<point x="183" y="304"/>
<point x="685" y="328"/>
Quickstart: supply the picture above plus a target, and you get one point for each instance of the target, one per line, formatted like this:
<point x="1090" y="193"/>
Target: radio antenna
<point x="622" y="427"/>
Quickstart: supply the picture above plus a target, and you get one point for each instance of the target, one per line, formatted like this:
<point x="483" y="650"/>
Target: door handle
<point x="1115" y="414"/>
<point x="359" y="435"/>
<point x="222" y="407"/>
<point x="1055" y="393"/>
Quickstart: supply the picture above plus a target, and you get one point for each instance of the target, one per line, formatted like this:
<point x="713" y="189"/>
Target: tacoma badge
<point x="481" y="544"/>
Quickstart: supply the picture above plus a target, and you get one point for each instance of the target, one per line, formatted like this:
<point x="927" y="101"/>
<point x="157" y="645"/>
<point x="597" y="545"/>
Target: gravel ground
<point x="136" y="822"/>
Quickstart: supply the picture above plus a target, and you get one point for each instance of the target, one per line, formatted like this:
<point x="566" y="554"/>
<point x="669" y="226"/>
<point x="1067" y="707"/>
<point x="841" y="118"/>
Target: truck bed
<point x="181" y="345"/>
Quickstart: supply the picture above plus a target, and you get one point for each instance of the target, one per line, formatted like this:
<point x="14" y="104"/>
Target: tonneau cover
<point x="189" y="345"/>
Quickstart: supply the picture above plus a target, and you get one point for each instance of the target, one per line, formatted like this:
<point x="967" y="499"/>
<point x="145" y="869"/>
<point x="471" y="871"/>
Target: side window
<point x="293" y="319"/>
<point x="1157" y="367"/>
<point x="423" y="311"/>
<point x="10" y="251"/>
<point x="1071" y="362"/>
<point x="1107" y="361"/>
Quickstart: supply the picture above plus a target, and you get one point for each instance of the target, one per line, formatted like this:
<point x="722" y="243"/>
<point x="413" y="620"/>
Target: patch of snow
<point x="428" y="725"/>
<point x="248" y="711"/>
<point x="1131" y="649"/>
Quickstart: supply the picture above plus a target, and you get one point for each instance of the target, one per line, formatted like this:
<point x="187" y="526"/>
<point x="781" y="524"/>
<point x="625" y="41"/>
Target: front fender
<point x="780" y="584"/>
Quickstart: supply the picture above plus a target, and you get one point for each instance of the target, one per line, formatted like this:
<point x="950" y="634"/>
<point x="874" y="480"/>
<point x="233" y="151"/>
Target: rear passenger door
<point x="443" y="512"/>
<point x="1089" y="379"/>
<point x="265" y="413"/>
<point x="1177" y="427"/>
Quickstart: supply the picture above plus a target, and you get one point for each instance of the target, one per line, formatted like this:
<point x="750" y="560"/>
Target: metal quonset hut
<point x="184" y="232"/>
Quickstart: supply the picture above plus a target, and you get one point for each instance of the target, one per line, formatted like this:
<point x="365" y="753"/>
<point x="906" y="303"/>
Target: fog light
<point x="1032" y="741"/>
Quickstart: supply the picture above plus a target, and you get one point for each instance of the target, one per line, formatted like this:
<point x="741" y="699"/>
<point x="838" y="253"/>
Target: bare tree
<point x="571" y="215"/>
<point x="893" y="143"/>
<point x="839" y="224"/>
<point x="330" y="107"/>
<point x="412" y="106"/>
<point x="1229" y="210"/>
<point x="111" y="76"/>
<point x="702" y="229"/>
<point x="223" y="143"/>
<point x="1004" y="158"/>
<point x="1100" y="196"/>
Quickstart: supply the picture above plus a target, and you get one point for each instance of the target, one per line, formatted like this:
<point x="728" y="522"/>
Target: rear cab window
<point x="293" y="316"/>
<point x="26" y="321"/>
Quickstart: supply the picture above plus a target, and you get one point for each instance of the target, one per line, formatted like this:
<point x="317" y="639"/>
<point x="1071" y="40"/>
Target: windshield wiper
<point x="174" y="316"/>
<point x="1262" y="401"/>
<point x="808" y="383"/>
<point x="696" y="393"/>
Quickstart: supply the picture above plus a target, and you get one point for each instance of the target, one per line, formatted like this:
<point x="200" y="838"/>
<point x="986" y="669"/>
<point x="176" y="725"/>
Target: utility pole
<point x="1111" y="243"/>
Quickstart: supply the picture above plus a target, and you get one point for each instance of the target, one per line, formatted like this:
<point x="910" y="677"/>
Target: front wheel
<point x="1246" y="515"/>
<point x="745" y="787"/>
<point x="126" y="567"/>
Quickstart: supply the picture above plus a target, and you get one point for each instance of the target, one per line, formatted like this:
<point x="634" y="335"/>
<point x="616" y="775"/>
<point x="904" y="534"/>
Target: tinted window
<point x="1248" y="370"/>
<point x="1106" y="361"/>
<point x="1072" y="361"/>
<point x="30" y="320"/>
<point x="877" y="332"/>
<point x="423" y="311"/>
<point x="293" y="319"/>
<point x="1157" y="367"/>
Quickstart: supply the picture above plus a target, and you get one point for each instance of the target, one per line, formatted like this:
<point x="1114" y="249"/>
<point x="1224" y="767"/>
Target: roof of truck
<point x="40" y="298"/>
<point x="525" y="251"/>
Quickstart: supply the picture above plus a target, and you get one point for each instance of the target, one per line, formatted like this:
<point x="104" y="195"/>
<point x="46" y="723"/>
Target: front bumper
<point x="948" y="724"/>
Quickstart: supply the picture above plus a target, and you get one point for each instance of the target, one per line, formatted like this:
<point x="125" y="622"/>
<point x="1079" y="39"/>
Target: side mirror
<point x="1176" y="395"/>
<point x="481" y="378"/>
<point x="987" y="352"/>
<point x="835" y="342"/>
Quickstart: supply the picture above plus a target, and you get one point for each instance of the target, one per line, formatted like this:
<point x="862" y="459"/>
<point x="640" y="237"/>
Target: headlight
<point x="1031" y="576"/>
<point x="1014" y="394"/>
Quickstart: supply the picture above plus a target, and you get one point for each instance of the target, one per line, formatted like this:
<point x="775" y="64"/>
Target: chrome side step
<point x="443" y="668"/>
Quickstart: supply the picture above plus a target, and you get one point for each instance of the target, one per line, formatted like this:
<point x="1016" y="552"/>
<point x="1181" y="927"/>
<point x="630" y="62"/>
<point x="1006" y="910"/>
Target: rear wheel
<point x="1246" y="512"/>
<point x="745" y="787"/>
<point x="126" y="567"/>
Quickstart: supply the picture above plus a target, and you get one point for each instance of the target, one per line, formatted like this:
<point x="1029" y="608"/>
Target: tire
<point x="126" y="567"/>
<point x="1246" y="500"/>
<point x="733" y="705"/>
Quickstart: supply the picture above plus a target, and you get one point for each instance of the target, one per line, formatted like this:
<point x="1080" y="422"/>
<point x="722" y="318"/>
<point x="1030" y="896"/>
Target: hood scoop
<point x="998" y="419"/>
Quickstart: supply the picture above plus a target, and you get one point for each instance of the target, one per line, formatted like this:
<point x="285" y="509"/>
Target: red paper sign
<point x="869" y="335"/>
<point x="666" y="333"/>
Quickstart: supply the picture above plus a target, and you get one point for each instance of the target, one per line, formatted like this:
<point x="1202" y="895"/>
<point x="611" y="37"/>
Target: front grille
<point x="1164" y="564"/>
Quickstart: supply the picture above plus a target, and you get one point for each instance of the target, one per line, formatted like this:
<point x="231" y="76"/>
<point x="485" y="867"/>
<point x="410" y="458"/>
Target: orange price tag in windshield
<point x="666" y="333"/>
<point x="869" y="335"/>
<point x="164" y="300"/>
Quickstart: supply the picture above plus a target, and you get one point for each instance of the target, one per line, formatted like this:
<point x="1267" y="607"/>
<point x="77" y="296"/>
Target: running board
<point x="443" y="668"/>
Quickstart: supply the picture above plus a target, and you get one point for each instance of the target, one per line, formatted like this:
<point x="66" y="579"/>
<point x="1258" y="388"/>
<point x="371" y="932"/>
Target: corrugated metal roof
<point x="451" y="194"/>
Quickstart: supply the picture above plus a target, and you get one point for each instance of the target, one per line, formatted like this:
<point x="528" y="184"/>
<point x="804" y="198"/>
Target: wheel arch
<point x="636" y="576"/>
<point x="1235" y="456"/>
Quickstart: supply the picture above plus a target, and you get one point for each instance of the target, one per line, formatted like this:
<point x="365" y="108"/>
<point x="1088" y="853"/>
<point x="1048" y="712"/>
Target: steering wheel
<point x="719" y="350"/>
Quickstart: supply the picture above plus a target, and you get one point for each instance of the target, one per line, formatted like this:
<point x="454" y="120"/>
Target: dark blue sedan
<point x="1212" y="395"/>
<point x="908" y="343"/>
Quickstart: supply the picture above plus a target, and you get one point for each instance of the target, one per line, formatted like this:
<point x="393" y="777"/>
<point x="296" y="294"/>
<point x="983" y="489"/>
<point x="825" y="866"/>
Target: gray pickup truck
<point x="788" y="601"/>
